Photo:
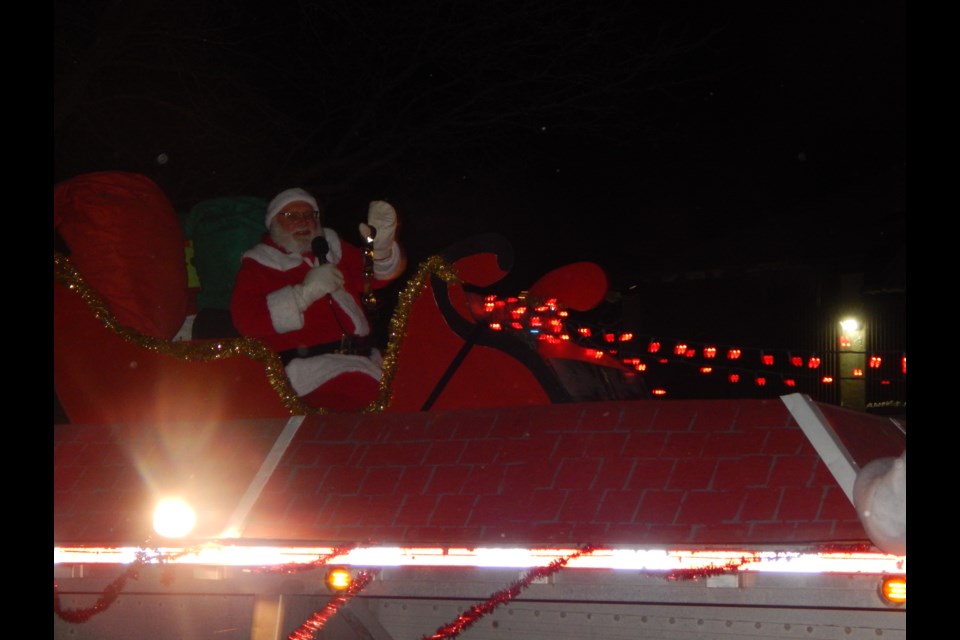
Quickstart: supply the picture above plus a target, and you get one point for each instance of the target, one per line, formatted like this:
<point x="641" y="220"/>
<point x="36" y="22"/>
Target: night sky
<point x="652" y="138"/>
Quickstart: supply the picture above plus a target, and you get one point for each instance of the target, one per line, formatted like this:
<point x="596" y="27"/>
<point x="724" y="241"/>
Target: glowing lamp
<point x="659" y="392"/>
<point x="813" y="362"/>
<point x="680" y="349"/>
<point x="654" y="346"/>
<point x="875" y="362"/>
<point x="767" y="359"/>
<point x="761" y="382"/>
<point x="734" y="378"/>
<point x="858" y="373"/>
<point x="339" y="579"/>
<point x="626" y="337"/>
<point x="709" y="352"/>
<point x="173" y="518"/>
<point x="796" y="361"/>
<point x="733" y="354"/>
<point x="849" y="325"/>
<point x="790" y="382"/>
<point x="827" y="380"/>
<point x="893" y="589"/>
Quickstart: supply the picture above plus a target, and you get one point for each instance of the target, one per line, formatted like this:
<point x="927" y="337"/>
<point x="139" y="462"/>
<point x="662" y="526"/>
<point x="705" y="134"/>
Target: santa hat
<point x="284" y="198"/>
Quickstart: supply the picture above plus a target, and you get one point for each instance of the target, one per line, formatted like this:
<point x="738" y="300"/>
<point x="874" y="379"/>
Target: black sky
<point x="648" y="138"/>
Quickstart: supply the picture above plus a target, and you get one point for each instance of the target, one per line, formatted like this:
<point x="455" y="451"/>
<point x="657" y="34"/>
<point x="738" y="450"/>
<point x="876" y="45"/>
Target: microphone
<point x="320" y="247"/>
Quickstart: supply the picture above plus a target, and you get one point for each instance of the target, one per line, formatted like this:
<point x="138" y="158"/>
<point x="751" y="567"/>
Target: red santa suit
<point x="264" y="306"/>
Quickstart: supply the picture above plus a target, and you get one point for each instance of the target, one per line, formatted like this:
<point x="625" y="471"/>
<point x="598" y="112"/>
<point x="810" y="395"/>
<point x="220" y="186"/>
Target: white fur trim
<point x="186" y="329"/>
<point x="270" y="256"/>
<point x="307" y="374"/>
<point x="285" y="313"/>
<point x="389" y="267"/>
<point x="273" y="258"/>
<point x="335" y="251"/>
<point x="284" y="198"/>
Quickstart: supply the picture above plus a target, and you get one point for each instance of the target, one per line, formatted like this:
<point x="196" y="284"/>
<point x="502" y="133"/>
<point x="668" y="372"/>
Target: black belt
<point x="349" y="345"/>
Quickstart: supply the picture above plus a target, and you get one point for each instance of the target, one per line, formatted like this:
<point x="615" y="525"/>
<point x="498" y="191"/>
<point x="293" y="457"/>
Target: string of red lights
<point x="534" y="321"/>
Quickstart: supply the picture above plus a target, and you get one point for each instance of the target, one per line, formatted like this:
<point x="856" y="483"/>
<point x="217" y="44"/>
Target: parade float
<point x="508" y="482"/>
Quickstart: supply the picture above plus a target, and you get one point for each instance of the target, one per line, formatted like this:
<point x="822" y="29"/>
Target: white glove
<point x="318" y="282"/>
<point x="382" y="217"/>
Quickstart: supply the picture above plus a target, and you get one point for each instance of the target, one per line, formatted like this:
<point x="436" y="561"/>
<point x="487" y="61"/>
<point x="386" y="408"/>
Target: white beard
<point x="289" y="242"/>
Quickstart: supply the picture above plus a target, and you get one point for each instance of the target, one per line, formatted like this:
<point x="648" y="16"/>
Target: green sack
<point x="221" y="230"/>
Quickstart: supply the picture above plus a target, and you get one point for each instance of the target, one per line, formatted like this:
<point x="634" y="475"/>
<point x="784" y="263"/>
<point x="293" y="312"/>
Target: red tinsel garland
<point x="477" y="611"/>
<point x="297" y="567"/>
<point x="451" y="630"/>
<point x="112" y="591"/>
<point x="705" y="572"/>
<point x="320" y="618"/>
<point x="110" y="594"/>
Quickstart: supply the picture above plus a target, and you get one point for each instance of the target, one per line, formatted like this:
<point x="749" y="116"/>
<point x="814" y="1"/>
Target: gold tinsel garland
<point x="434" y="266"/>
<point x="206" y="350"/>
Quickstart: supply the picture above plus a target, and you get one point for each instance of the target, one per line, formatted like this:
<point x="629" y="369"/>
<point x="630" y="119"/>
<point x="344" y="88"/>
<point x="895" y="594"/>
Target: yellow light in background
<point x="173" y="518"/>
<point x="894" y="589"/>
<point x="850" y="325"/>
<point x="339" y="579"/>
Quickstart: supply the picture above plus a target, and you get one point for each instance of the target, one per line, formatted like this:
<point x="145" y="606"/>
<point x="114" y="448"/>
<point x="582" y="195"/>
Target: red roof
<point x="645" y="473"/>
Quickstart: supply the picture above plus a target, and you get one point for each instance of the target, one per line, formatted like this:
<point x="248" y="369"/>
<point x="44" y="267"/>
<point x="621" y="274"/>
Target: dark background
<point x="680" y="145"/>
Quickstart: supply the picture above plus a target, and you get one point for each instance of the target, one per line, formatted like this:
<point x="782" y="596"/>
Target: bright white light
<point x="617" y="559"/>
<point x="850" y="325"/>
<point x="173" y="518"/>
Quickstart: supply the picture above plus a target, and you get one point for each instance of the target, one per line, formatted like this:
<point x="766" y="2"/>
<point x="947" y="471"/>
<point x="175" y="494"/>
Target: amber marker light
<point x="339" y="579"/>
<point x="894" y="589"/>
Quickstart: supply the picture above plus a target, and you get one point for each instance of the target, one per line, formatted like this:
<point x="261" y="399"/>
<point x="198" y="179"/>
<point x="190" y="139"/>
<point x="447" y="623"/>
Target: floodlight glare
<point x="173" y="518"/>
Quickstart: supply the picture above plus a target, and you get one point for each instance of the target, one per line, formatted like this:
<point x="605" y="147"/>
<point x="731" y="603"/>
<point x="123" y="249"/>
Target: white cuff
<point x="388" y="263"/>
<point x="285" y="311"/>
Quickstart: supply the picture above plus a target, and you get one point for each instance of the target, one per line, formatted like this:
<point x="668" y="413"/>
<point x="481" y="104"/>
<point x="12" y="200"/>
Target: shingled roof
<point x="643" y="473"/>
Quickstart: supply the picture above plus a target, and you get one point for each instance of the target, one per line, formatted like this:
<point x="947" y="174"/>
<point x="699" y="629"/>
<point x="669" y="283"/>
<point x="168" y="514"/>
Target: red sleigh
<point x="116" y="316"/>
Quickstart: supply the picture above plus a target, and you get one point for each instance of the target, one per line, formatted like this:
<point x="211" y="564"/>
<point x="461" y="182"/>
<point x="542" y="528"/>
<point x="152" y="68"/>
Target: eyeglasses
<point x="306" y="216"/>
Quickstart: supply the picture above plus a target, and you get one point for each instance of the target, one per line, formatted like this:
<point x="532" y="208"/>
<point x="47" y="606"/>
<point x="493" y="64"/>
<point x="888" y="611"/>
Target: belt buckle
<point x="346" y="345"/>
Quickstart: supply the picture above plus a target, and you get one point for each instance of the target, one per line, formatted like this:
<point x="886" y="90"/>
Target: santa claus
<point x="301" y="291"/>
